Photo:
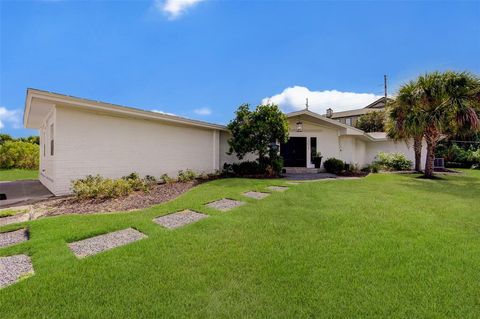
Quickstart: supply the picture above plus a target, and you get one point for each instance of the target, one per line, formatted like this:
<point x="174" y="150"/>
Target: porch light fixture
<point x="299" y="127"/>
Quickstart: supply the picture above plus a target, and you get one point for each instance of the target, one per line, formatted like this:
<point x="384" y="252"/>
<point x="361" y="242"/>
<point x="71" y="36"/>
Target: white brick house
<point x="79" y="137"/>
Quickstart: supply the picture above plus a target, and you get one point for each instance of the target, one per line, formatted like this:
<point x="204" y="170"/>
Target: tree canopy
<point x="254" y="131"/>
<point x="372" y="122"/>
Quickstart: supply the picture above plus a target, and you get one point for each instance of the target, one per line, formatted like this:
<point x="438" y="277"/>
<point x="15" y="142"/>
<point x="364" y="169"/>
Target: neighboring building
<point x="351" y="117"/>
<point x="80" y="137"/>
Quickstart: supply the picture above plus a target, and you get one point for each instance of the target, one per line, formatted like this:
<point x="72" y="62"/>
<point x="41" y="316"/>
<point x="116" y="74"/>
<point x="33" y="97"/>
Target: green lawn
<point x="384" y="246"/>
<point x="17" y="174"/>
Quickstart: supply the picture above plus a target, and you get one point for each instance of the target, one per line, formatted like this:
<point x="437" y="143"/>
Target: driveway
<point x="22" y="193"/>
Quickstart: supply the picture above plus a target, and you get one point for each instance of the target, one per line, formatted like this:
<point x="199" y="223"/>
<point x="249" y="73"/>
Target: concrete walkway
<point x="23" y="193"/>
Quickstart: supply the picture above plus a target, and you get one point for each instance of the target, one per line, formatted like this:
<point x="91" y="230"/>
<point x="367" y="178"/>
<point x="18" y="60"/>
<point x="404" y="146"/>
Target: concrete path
<point x="23" y="193"/>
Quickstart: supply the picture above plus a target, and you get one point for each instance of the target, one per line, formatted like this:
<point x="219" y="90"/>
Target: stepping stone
<point x="13" y="237"/>
<point x="256" y="195"/>
<point x="293" y="183"/>
<point x="95" y="245"/>
<point x="19" y="218"/>
<point x="225" y="204"/>
<point x="13" y="268"/>
<point x="277" y="188"/>
<point x="179" y="219"/>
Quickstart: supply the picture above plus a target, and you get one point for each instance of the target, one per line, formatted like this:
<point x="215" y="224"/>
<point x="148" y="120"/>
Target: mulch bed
<point x="137" y="200"/>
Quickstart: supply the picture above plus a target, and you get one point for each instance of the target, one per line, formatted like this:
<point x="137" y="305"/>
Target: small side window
<point x="52" y="144"/>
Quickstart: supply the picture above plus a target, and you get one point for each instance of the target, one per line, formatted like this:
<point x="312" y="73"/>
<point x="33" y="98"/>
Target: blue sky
<point x="201" y="59"/>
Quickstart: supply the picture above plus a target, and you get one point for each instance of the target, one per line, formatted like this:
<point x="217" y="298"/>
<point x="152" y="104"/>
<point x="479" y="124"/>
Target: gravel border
<point x="277" y="188"/>
<point x="179" y="219"/>
<point x="13" y="268"/>
<point x="13" y="237"/>
<point x="225" y="204"/>
<point x="256" y="195"/>
<point x="95" y="245"/>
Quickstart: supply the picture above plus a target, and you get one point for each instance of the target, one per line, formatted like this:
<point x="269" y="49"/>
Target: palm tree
<point x="447" y="104"/>
<point x="403" y="122"/>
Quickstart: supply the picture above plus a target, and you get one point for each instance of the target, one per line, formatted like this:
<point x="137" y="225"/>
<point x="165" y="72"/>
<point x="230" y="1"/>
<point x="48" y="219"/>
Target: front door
<point x="294" y="152"/>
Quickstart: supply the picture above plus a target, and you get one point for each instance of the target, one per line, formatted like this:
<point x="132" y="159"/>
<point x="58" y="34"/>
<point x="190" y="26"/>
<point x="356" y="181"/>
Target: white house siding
<point x="46" y="166"/>
<point x="373" y="148"/>
<point x="93" y="143"/>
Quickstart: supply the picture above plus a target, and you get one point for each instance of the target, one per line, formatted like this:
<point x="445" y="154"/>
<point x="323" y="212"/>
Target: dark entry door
<point x="294" y="152"/>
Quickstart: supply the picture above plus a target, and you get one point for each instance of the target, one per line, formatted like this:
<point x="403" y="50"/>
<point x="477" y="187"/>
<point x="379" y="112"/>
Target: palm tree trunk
<point x="431" y="137"/>
<point x="417" y="147"/>
<point x="430" y="159"/>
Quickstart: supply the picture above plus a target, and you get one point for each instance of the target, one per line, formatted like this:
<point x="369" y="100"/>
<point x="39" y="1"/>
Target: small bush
<point x="334" y="165"/>
<point x="393" y="161"/>
<point x="99" y="187"/>
<point x="103" y="188"/>
<point x="17" y="154"/>
<point x="186" y="175"/>
<point x="167" y="179"/>
<point x="372" y="168"/>
<point x="136" y="182"/>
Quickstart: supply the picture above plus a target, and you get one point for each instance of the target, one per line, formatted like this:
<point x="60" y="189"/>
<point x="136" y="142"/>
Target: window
<point x="51" y="141"/>
<point x="348" y="121"/>
<point x="44" y="142"/>
<point x="313" y="148"/>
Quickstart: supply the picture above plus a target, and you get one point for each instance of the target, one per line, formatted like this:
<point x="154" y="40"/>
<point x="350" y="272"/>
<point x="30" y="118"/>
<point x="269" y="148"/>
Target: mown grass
<point x="17" y="174"/>
<point x="384" y="246"/>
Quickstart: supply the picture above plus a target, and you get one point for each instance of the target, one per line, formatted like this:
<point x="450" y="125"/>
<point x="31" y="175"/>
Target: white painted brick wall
<point x="92" y="143"/>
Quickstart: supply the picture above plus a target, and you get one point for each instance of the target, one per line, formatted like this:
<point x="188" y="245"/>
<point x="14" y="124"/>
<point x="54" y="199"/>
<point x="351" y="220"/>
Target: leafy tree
<point x="30" y="139"/>
<point x="372" y="122"/>
<point x="403" y="122"/>
<point x="4" y="138"/>
<point x="254" y="131"/>
<point x="17" y="154"/>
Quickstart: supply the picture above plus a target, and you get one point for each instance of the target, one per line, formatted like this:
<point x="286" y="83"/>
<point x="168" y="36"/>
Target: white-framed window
<point x="348" y="121"/>
<point x="52" y="144"/>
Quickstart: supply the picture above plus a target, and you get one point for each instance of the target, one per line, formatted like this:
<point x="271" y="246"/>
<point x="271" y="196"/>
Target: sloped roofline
<point x="57" y="98"/>
<point x="336" y="123"/>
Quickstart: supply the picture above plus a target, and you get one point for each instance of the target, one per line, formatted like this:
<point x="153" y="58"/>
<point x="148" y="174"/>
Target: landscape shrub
<point x="333" y="165"/>
<point x="393" y="161"/>
<point x="167" y="179"/>
<point x="99" y="187"/>
<point x="137" y="183"/>
<point x="18" y="154"/>
<point x="372" y="168"/>
<point x="458" y="157"/>
<point x="186" y="175"/>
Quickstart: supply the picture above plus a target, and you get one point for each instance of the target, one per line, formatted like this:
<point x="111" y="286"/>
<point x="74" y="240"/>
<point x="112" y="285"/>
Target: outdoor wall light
<point x="299" y="127"/>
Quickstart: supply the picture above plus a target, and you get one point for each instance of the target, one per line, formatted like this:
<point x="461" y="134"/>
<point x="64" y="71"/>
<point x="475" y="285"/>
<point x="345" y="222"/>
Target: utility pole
<point x="306" y="104"/>
<point x="385" y="86"/>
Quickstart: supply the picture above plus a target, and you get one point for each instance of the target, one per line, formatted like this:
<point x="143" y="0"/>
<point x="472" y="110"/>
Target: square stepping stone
<point x="225" y="204"/>
<point x="256" y="195"/>
<point x="277" y="188"/>
<point x="179" y="219"/>
<point x="13" y="268"/>
<point x="95" y="245"/>
<point x="13" y="237"/>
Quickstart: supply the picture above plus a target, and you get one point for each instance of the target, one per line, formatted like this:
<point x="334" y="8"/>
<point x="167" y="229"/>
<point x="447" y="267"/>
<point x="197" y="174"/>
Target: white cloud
<point x="174" y="8"/>
<point x="293" y="98"/>
<point x="13" y="117"/>
<point x="161" y="112"/>
<point x="203" y="111"/>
